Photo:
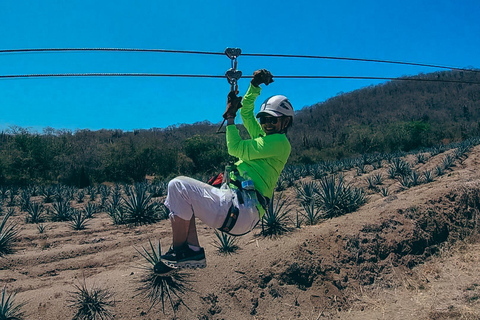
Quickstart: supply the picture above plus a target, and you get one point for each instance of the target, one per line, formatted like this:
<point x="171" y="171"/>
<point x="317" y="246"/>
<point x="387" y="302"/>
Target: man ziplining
<point x="240" y="203"/>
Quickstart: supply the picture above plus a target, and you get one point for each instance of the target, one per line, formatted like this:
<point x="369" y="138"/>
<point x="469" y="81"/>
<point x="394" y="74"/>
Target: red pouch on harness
<point x="216" y="180"/>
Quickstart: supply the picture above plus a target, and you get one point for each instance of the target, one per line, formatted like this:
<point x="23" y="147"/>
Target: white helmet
<point x="276" y="106"/>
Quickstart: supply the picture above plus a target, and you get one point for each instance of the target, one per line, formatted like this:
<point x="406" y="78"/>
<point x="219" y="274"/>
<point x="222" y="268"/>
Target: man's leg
<point x="180" y="230"/>
<point x="192" y="238"/>
<point x="184" y="231"/>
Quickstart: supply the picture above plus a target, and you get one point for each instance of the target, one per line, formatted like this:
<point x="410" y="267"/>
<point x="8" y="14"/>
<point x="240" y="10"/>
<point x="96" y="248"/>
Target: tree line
<point x="395" y="116"/>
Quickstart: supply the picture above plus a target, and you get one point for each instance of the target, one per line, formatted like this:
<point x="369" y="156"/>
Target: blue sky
<point x="441" y="32"/>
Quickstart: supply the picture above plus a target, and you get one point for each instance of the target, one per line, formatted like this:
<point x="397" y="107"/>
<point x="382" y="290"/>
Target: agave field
<point x="90" y="253"/>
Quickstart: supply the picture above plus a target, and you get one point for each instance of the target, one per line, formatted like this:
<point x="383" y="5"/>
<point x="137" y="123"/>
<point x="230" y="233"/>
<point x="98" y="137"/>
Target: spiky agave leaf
<point x="306" y="191"/>
<point x="312" y="214"/>
<point x="8" y="309"/>
<point x="276" y="218"/>
<point x="94" y="303"/>
<point x="140" y="210"/>
<point x="157" y="287"/>
<point x="225" y="243"/>
<point x="78" y="219"/>
<point x="8" y="234"/>
<point x="35" y="212"/>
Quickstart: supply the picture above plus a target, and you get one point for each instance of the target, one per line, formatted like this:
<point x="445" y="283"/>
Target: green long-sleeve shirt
<point x="263" y="156"/>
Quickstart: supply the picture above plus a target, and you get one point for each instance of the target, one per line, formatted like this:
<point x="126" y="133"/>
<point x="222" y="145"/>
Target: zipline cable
<point x="58" y="75"/>
<point x="243" y="54"/>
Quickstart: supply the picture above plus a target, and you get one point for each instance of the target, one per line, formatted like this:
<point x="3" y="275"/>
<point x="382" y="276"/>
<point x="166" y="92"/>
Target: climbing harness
<point x="232" y="74"/>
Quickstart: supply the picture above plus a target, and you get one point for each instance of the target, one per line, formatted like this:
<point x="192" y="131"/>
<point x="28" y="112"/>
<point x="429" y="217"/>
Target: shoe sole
<point x="186" y="264"/>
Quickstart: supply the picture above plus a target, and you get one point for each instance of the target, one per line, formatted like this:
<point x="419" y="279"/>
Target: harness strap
<point x="230" y="220"/>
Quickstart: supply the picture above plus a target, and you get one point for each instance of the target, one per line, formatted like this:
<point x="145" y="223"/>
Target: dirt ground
<point x="411" y="255"/>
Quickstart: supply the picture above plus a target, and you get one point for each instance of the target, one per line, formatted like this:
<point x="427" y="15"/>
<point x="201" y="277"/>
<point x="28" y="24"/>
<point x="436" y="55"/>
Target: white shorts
<point x="187" y="197"/>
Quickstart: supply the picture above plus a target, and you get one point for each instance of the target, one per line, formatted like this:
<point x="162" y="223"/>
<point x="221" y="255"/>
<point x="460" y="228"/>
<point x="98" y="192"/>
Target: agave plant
<point x="421" y="158"/>
<point x="94" y="303"/>
<point x="90" y="210"/>
<point x="78" y="219"/>
<point x="448" y="162"/>
<point x="80" y="196"/>
<point x="276" y="218"/>
<point x="313" y="213"/>
<point x="48" y="194"/>
<point x="384" y="191"/>
<point x="414" y="178"/>
<point x="439" y="171"/>
<point x="12" y="195"/>
<point x="61" y="211"/>
<point x="378" y="179"/>
<point x="371" y="183"/>
<point x="161" y="287"/>
<point x="225" y="243"/>
<point x="399" y="168"/>
<point x="8" y="235"/>
<point x="117" y="214"/>
<point x="335" y="197"/>
<point x="405" y="181"/>
<point x="428" y="176"/>
<point x="9" y="310"/>
<point x="138" y="207"/>
<point x="25" y="196"/>
<point x="104" y="195"/>
<point x="35" y="212"/>
<point x="158" y="189"/>
<point x="41" y="228"/>
<point x="306" y="191"/>
<point x="163" y="211"/>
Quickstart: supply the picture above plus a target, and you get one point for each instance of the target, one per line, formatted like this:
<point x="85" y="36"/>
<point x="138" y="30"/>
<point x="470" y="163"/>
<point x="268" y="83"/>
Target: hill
<point x="409" y="253"/>
<point x="397" y="115"/>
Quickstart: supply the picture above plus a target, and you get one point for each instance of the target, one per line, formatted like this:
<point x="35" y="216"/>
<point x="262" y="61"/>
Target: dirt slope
<point x="369" y="264"/>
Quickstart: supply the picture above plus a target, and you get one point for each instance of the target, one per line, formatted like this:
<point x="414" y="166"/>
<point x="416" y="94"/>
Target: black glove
<point x="262" y="76"/>
<point x="233" y="104"/>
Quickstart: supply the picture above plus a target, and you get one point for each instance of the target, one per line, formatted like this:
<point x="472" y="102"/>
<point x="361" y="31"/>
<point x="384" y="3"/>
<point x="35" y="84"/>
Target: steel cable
<point x="53" y="75"/>
<point x="243" y="54"/>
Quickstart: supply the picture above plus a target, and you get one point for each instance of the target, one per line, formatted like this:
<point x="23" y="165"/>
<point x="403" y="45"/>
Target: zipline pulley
<point x="232" y="74"/>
